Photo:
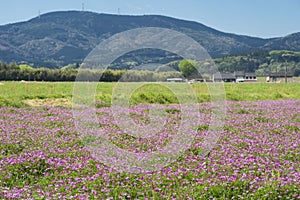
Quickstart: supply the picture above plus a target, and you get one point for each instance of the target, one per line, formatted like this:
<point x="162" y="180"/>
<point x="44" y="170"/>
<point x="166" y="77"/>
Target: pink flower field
<point x="42" y="155"/>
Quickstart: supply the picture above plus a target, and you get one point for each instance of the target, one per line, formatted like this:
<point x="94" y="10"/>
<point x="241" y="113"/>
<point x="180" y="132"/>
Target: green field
<point x="20" y="94"/>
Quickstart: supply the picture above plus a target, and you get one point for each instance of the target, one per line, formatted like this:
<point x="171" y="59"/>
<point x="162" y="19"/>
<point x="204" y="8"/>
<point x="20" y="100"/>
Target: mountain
<point x="290" y="42"/>
<point x="59" y="38"/>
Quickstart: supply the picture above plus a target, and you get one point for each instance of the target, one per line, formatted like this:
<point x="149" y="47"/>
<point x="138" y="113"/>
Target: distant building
<point x="225" y="77"/>
<point x="240" y="76"/>
<point x="250" y="77"/>
<point x="175" y="80"/>
<point x="190" y="79"/>
<point x="195" y="78"/>
<point x="279" y="77"/>
<point x="237" y="76"/>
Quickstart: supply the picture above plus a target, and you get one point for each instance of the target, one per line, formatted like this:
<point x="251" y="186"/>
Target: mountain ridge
<point x="62" y="37"/>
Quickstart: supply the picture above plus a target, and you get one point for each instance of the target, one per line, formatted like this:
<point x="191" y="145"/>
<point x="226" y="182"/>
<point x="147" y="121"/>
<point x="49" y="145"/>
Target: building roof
<point x="233" y="76"/>
<point x="224" y="76"/>
<point x="239" y="73"/>
<point x="250" y="74"/>
<point x="174" y="79"/>
<point x="195" y="76"/>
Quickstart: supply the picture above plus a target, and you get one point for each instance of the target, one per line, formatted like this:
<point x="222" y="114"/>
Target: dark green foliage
<point x="26" y="173"/>
<point x="203" y="127"/>
<point x="172" y="110"/>
<point x="13" y="72"/>
<point x="187" y="68"/>
<point x="261" y="62"/>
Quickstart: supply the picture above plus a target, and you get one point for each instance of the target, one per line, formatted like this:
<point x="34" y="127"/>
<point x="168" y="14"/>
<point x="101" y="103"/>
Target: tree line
<point x="14" y="72"/>
<point x="261" y="62"/>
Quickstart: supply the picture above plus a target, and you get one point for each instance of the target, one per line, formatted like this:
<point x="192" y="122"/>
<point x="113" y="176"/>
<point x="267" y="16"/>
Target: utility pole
<point x="286" y="56"/>
<point x="285" y="71"/>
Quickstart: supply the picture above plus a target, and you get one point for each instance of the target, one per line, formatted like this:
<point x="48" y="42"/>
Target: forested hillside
<point x="56" y="39"/>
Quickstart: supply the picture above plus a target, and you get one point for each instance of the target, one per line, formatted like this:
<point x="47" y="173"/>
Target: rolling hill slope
<point x="58" y="38"/>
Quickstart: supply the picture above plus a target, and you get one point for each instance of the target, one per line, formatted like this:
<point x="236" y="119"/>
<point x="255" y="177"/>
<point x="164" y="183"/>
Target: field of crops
<point x="42" y="155"/>
<point x="19" y="94"/>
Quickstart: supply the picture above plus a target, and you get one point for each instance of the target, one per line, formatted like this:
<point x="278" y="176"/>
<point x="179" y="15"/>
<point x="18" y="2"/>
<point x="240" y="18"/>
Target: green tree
<point x="187" y="67"/>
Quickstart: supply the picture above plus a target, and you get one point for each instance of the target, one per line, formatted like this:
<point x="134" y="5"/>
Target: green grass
<point x="17" y="94"/>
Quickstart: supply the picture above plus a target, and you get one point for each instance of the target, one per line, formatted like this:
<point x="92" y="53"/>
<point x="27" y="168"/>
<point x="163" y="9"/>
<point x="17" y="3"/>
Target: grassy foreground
<point x="20" y="94"/>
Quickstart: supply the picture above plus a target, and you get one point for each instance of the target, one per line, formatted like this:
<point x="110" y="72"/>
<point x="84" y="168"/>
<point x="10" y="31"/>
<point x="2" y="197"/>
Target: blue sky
<point x="262" y="18"/>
